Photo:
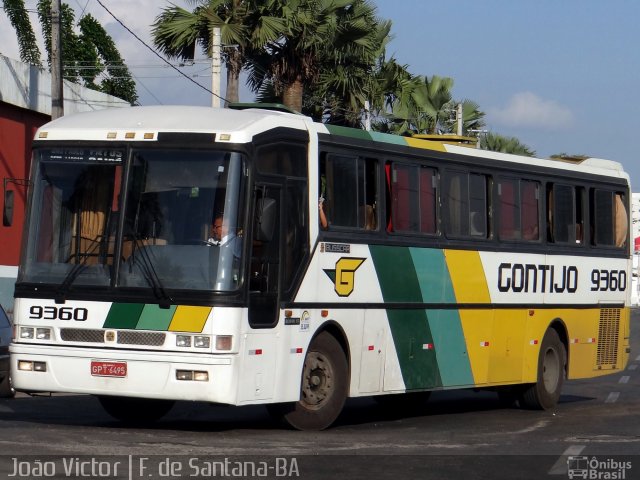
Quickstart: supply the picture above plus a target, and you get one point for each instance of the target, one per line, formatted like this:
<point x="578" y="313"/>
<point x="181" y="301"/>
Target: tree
<point x="244" y="24"/>
<point x="85" y="56"/>
<point x="500" y="143"/>
<point x="17" y="13"/>
<point x="318" y="32"/>
<point x="472" y="118"/>
<point x="118" y="81"/>
<point x="347" y="76"/>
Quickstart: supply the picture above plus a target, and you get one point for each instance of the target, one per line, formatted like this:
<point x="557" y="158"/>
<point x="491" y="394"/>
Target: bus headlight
<point x="183" y="340"/>
<point x="200" y="341"/>
<point x="43" y="333"/>
<point x="27" y="333"/>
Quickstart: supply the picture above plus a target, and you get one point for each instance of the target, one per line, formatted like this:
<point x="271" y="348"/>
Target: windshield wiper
<point x="150" y="274"/>
<point x="61" y="293"/>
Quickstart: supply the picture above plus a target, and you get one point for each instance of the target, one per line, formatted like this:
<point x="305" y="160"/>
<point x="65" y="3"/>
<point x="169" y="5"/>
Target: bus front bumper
<point x="144" y="374"/>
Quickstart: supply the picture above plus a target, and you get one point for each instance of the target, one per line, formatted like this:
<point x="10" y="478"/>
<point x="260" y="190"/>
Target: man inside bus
<point x="219" y="235"/>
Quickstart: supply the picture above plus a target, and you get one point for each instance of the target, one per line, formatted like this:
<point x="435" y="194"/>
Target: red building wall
<point x="17" y="128"/>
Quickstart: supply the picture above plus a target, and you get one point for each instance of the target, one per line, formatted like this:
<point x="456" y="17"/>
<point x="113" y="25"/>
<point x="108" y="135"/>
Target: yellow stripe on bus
<point x="470" y="286"/>
<point x="189" y="319"/>
<point x="467" y="276"/>
<point x="426" y="144"/>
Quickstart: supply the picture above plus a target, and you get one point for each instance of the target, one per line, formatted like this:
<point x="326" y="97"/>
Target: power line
<point x="148" y="91"/>
<point x="28" y="10"/>
<point x="156" y="53"/>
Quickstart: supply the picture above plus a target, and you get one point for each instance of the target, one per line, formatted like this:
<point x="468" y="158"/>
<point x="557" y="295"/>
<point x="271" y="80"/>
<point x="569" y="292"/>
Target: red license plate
<point x="108" y="369"/>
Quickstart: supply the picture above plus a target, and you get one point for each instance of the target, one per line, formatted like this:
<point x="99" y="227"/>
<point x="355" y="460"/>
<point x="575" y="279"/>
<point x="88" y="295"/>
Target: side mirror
<point x="265" y="220"/>
<point x="7" y="214"/>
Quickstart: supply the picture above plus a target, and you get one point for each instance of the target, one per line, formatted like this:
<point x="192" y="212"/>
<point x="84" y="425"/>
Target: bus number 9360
<point x="78" y="314"/>
<point x="608" y="280"/>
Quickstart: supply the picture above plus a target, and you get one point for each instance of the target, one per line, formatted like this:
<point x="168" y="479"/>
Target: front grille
<point x="152" y="339"/>
<point x="82" y="335"/>
<point x="131" y="337"/>
<point x="608" y="331"/>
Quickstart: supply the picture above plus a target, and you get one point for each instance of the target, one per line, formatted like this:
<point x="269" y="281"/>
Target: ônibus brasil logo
<point x="581" y="466"/>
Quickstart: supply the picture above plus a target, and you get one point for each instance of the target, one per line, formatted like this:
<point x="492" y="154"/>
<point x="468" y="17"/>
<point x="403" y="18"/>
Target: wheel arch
<point x="560" y="327"/>
<point x="335" y="329"/>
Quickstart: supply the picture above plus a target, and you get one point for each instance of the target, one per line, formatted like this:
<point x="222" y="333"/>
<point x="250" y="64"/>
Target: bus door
<point x="265" y="257"/>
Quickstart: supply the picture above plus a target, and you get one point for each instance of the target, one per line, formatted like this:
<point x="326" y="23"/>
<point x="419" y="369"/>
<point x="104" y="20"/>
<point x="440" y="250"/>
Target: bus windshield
<point x="179" y="227"/>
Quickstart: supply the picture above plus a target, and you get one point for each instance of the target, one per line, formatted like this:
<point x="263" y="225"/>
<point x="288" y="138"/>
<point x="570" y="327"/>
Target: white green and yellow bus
<point x="178" y="253"/>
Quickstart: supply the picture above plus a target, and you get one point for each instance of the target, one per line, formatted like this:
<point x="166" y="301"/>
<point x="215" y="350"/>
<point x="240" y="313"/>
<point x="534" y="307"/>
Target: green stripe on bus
<point x="445" y="325"/>
<point x="450" y="347"/>
<point x="409" y="328"/>
<point x="396" y="274"/>
<point x="123" y="315"/>
<point x="388" y="138"/>
<point x="412" y="337"/>
<point x="348" y="132"/>
<point x="432" y="275"/>
<point x="155" y="318"/>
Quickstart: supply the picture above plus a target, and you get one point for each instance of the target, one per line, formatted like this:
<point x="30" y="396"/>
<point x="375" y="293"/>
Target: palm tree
<point x="423" y="106"/>
<point x="500" y="143"/>
<point x="472" y="118"/>
<point x="391" y="94"/>
<point x="318" y="33"/>
<point x="434" y="103"/>
<point x="349" y="75"/>
<point x="243" y="23"/>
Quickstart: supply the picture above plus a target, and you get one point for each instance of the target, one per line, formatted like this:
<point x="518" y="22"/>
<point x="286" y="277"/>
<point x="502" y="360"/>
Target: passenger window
<point x="413" y="199"/>
<point x="609" y="218"/>
<point x="466" y="205"/>
<point x="565" y="214"/>
<point x="349" y="187"/>
<point x="519" y="209"/>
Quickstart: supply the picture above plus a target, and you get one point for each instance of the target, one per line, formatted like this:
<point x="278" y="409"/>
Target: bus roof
<point x="144" y="123"/>
<point x="241" y="125"/>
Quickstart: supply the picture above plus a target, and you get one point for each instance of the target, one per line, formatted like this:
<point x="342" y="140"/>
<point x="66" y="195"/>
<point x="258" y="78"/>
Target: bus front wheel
<point x="323" y="389"/>
<point x="137" y="411"/>
<point x="552" y="362"/>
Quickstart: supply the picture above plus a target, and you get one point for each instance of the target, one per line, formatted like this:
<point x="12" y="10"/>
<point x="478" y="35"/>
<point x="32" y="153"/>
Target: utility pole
<point x="215" y="67"/>
<point x="57" y="97"/>
<point x="367" y="116"/>
<point x="459" y="119"/>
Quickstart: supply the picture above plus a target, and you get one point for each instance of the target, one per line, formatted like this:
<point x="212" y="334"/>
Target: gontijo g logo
<point x="343" y="277"/>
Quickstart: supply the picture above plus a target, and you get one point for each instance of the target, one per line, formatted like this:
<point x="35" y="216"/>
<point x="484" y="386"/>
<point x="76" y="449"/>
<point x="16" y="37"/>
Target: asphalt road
<point x="458" y="434"/>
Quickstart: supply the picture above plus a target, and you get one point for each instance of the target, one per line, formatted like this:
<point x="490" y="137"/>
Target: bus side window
<point x="609" y="218"/>
<point x="413" y="190"/>
<point x="465" y="205"/>
<point x="350" y="191"/>
<point x="565" y="214"/>
<point x="622" y="221"/>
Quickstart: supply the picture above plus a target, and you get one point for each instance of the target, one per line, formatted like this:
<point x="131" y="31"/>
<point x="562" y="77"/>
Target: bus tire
<point x="323" y="389"/>
<point x="6" y="387"/>
<point x="552" y="362"/>
<point x="136" y="411"/>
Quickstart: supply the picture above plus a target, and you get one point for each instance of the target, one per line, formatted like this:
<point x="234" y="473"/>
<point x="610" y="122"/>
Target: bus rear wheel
<point x="136" y="411"/>
<point x="323" y="389"/>
<point x="552" y="362"/>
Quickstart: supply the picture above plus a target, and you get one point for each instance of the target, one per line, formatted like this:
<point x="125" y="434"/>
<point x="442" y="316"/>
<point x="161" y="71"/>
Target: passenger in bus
<point x="324" y="223"/>
<point x="369" y="217"/>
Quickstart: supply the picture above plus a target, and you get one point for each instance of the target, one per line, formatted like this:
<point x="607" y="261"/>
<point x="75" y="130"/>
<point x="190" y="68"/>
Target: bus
<point x="179" y="253"/>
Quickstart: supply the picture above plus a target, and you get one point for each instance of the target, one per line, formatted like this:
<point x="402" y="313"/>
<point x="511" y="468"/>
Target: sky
<point x="560" y="75"/>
